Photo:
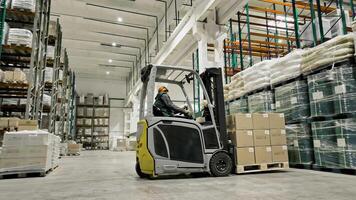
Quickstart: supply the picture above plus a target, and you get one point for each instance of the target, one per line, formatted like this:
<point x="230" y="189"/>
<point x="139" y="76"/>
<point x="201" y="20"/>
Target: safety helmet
<point x="162" y="89"/>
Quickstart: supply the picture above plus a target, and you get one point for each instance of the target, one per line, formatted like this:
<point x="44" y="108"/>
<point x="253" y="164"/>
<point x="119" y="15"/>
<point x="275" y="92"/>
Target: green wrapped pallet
<point x="261" y="102"/>
<point x="300" y="144"/>
<point x="333" y="92"/>
<point x="321" y="93"/>
<point x="239" y="106"/>
<point x="335" y="143"/>
<point x="292" y="100"/>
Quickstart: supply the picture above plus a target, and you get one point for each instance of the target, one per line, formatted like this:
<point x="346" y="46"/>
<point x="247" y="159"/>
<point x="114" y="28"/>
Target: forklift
<point x="178" y="145"/>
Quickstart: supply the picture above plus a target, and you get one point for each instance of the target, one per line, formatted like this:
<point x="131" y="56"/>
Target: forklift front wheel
<point x="220" y="164"/>
<point x="139" y="172"/>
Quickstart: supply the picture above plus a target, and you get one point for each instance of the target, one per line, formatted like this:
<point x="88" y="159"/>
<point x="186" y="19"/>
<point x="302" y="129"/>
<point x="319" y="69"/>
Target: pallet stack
<point x="260" y="140"/>
<point x="29" y="152"/>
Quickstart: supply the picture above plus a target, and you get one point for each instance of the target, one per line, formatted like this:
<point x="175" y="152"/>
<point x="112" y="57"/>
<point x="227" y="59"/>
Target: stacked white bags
<point x="236" y="86"/>
<point x="287" y="67"/>
<point x="257" y="76"/>
<point x="23" y="4"/>
<point x="36" y="151"/>
<point x="336" y="49"/>
<point x="20" y="36"/>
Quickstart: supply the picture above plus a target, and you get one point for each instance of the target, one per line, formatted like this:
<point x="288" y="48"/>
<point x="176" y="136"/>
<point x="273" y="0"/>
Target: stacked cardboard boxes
<point x="259" y="138"/>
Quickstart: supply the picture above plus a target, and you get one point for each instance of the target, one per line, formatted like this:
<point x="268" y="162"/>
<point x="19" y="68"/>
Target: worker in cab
<point x="164" y="106"/>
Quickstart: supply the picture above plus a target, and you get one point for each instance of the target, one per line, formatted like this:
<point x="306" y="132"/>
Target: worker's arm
<point x="165" y="98"/>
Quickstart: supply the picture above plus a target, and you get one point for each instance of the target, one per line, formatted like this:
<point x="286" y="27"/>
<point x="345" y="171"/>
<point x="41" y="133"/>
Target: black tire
<point x="139" y="172"/>
<point x="220" y="164"/>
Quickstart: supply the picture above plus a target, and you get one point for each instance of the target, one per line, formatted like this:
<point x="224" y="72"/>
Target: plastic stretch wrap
<point x="50" y="51"/>
<point x="334" y="50"/>
<point x="12" y="101"/>
<point x="36" y="151"/>
<point x="332" y="92"/>
<point x="49" y="75"/>
<point x="335" y="143"/>
<point x="239" y="106"/>
<point x="235" y="88"/>
<point x="287" y="67"/>
<point x="5" y="33"/>
<point x="46" y="100"/>
<point x="261" y="102"/>
<point x="292" y="100"/>
<point x="20" y="37"/>
<point x="300" y="144"/>
<point x="24" y="4"/>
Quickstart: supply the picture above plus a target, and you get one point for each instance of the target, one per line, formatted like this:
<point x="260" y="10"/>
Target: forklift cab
<point x="176" y="145"/>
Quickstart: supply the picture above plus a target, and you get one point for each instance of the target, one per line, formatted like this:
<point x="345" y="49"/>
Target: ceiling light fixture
<point x="107" y="72"/>
<point x="114" y="44"/>
<point x="119" y="19"/>
<point x="110" y="60"/>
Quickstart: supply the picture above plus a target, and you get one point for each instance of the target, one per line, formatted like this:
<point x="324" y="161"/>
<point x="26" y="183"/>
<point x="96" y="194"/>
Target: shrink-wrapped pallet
<point x="261" y="102"/>
<point x="19" y="37"/>
<point x="24" y="4"/>
<point x="292" y="100"/>
<point x="300" y="143"/>
<point x="335" y="143"/>
<point x="32" y="151"/>
<point x="49" y="75"/>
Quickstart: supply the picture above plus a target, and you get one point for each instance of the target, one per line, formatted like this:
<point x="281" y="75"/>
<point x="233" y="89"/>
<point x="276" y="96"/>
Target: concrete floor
<point x="110" y="175"/>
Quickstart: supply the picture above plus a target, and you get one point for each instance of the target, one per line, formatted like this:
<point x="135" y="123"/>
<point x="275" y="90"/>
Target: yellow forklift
<point x="179" y="145"/>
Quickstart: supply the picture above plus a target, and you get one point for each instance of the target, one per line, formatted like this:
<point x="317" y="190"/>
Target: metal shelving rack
<point x="34" y="106"/>
<point x="71" y="107"/>
<point x="92" y="144"/>
<point x="63" y="112"/>
<point x="56" y="82"/>
<point x="273" y="39"/>
<point x="19" y="56"/>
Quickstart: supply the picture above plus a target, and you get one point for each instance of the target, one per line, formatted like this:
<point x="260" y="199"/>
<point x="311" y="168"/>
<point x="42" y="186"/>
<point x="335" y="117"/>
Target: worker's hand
<point x="188" y="114"/>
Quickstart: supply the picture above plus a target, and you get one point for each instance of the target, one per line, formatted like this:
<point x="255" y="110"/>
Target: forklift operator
<point x="164" y="106"/>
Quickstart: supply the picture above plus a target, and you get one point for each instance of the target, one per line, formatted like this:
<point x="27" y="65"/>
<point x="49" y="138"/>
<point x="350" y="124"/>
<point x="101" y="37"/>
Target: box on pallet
<point x="242" y="138"/>
<point x="276" y="120"/>
<point x="280" y="153"/>
<point x="239" y="122"/>
<point x="263" y="154"/>
<point x="245" y="156"/>
<point x="278" y="137"/>
<point x="261" y="137"/>
<point x="260" y="121"/>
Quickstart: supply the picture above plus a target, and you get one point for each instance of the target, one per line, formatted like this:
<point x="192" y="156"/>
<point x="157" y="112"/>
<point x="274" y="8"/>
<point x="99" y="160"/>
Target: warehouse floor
<point x="110" y="175"/>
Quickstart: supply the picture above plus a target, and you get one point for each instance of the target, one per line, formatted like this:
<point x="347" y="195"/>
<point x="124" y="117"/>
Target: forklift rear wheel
<point x="139" y="172"/>
<point x="220" y="164"/>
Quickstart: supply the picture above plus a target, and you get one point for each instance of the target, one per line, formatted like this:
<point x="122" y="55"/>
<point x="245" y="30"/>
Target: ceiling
<point x="107" y="38"/>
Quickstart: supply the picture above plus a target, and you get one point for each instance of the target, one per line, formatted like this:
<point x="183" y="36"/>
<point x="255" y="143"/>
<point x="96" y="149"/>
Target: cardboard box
<point x="241" y="122"/>
<point x="4" y="122"/>
<point x="260" y="121"/>
<point x="24" y="122"/>
<point x="276" y="121"/>
<point x="245" y="156"/>
<point x="263" y="154"/>
<point x="74" y="148"/>
<point x="19" y="76"/>
<point x="9" y="76"/>
<point x="280" y="153"/>
<point x="14" y="122"/>
<point x="278" y="137"/>
<point x="261" y="137"/>
<point x="27" y="128"/>
<point x="242" y="138"/>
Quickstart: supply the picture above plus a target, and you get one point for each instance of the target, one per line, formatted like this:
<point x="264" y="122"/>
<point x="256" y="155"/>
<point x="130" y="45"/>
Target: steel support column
<point x="240" y="40"/>
<point x="248" y="35"/>
<point x="312" y="15"/>
<point x="320" y="19"/>
<point x="296" y="26"/>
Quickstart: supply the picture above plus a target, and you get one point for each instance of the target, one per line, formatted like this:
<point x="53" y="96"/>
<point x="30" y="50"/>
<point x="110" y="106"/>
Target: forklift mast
<point x="213" y="82"/>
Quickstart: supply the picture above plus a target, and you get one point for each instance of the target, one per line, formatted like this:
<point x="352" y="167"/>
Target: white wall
<point x="115" y="88"/>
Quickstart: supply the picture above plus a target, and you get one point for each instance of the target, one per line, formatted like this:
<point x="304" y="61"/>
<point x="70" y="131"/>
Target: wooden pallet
<point x="73" y="154"/>
<point x="241" y="169"/>
<point x="24" y="174"/>
<point x="8" y="129"/>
